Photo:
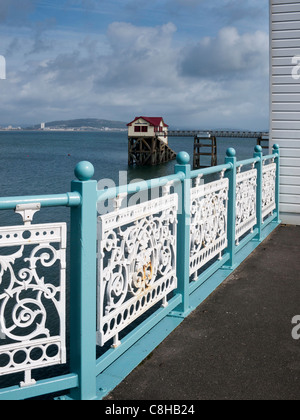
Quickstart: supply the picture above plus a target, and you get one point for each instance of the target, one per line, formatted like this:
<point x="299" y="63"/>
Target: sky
<point x="197" y="63"/>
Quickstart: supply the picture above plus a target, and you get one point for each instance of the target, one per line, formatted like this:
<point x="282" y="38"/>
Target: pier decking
<point x="238" y="344"/>
<point x="219" y="133"/>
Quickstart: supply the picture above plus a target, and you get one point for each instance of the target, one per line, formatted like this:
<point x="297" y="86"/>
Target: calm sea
<point x="43" y="162"/>
<point x="39" y="163"/>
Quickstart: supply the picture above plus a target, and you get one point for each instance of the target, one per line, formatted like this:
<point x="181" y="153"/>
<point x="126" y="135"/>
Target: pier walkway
<point x="238" y="344"/>
<point x="218" y="133"/>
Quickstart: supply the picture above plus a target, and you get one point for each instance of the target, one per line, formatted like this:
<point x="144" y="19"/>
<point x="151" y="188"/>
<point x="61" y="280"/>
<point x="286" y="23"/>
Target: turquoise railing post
<point x="183" y="236"/>
<point x="231" y="228"/>
<point x="83" y="284"/>
<point x="258" y="153"/>
<point x="276" y="151"/>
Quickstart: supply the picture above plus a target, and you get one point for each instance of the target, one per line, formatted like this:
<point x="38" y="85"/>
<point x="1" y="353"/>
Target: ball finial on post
<point x="84" y="171"/>
<point x="183" y="158"/>
<point x="258" y="149"/>
<point x="231" y="152"/>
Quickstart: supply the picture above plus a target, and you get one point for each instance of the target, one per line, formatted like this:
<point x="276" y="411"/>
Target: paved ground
<point x="238" y="344"/>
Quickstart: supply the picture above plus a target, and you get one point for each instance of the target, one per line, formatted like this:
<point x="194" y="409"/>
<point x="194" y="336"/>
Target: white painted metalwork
<point x="27" y="211"/>
<point x="246" y="186"/>
<point x="137" y="262"/>
<point x="208" y="223"/>
<point x="32" y="296"/>
<point x="269" y="189"/>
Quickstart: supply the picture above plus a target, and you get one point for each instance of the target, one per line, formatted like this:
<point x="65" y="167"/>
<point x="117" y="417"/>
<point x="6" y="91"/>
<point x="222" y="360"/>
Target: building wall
<point x="150" y="130"/>
<point x="285" y="101"/>
<point x="141" y="123"/>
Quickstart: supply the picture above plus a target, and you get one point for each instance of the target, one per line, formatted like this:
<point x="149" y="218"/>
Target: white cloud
<point x="220" y="81"/>
<point x="216" y="82"/>
<point x="228" y="54"/>
<point x="140" y="56"/>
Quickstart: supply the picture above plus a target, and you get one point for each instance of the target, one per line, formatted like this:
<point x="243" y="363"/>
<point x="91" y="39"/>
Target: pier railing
<point x="142" y="257"/>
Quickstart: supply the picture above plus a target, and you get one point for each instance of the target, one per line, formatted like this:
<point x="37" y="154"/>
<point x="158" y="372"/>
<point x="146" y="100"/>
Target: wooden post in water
<point x="209" y="143"/>
<point x="263" y="142"/>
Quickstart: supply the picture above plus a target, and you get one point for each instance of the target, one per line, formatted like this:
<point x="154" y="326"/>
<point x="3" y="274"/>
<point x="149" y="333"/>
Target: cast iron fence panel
<point x="208" y="230"/>
<point x="32" y="298"/>
<point x="246" y="186"/>
<point x="137" y="263"/>
<point x="269" y="187"/>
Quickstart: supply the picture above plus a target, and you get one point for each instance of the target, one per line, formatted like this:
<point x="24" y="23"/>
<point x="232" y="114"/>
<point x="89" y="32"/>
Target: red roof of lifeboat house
<point x="155" y="121"/>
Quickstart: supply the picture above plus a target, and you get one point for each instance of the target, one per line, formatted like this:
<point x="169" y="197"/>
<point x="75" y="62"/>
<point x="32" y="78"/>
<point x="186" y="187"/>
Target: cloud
<point x="132" y="68"/>
<point x="228" y="54"/>
<point x="140" y="56"/>
<point x="219" y="81"/>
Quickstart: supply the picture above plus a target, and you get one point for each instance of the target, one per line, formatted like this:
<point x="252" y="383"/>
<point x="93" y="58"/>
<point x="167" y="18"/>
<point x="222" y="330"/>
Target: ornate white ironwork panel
<point x="246" y="186"/>
<point x="137" y="263"/>
<point x="269" y="189"/>
<point x="32" y="298"/>
<point x="209" y="204"/>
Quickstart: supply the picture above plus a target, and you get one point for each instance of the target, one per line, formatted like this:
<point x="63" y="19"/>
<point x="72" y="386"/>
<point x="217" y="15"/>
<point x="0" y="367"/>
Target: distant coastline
<point x="88" y="124"/>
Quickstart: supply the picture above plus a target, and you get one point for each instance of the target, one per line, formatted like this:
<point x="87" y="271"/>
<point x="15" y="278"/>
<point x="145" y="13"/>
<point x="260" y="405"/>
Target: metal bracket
<point x="27" y="211"/>
<point x="28" y="381"/>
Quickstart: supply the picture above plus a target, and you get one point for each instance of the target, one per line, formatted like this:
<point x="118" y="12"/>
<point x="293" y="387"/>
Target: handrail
<point x="268" y="157"/>
<point x="247" y="162"/>
<point x="68" y="200"/>
<point x="111" y="193"/>
<point x="210" y="171"/>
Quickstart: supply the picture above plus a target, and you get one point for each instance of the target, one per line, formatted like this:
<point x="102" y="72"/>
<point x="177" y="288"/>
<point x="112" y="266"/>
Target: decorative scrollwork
<point x="137" y="249"/>
<point x="208" y="223"/>
<point x="246" y="185"/>
<point x="269" y="189"/>
<point x="32" y="295"/>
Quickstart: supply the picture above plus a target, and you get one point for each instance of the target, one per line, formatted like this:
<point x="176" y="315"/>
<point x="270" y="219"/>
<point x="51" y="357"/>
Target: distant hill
<point x="84" y="123"/>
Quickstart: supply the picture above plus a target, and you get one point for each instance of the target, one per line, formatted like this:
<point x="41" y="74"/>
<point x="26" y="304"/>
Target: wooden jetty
<point x="148" y="142"/>
<point x="218" y="133"/>
<point x="205" y="142"/>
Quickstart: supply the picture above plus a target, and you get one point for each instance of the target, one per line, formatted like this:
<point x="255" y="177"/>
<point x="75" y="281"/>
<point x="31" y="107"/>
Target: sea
<point x="41" y="163"/>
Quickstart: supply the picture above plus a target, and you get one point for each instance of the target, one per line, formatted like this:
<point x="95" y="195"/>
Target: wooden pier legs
<point x="148" y="151"/>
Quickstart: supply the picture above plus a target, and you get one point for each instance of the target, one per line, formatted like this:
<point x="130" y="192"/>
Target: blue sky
<point x="197" y="63"/>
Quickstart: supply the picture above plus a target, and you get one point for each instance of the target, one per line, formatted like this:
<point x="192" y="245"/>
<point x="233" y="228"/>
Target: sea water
<point x="43" y="162"/>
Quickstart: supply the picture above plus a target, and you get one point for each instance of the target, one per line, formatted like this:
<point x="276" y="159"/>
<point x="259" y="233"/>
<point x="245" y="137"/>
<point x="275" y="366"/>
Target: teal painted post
<point x="183" y="235"/>
<point x="83" y="284"/>
<point x="258" y="153"/>
<point x="276" y="151"/>
<point x="231" y="226"/>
